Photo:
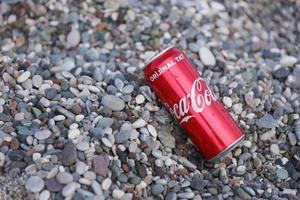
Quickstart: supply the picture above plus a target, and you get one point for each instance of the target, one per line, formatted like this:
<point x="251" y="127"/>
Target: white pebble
<point x="118" y="194"/>
<point x="139" y="123"/>
<point x="247" y="144"/>
<point x="106" y="142"/>
<point x="42" y="135"/>
<point x="78" y="118"/>
<point x="74" y="133"/>
<point x="85" y="181"/>
<point x="288" y="61"/>
<point x="45" y="195"/>
<point x="106" y="184"/>
<point x="139" y="99"/>
<point x="37" y="81"/>
<point x="69" y="189"/>
<point x="53" y="172"/>
<point x="59" y="118"/>
<point x="274" y="148"/>
<point x="81" y="167"/>
<point x="36" y="156"/>
<point x="227" y="101"/>
<point x="94" y="89"/>
<point x="2" y="159"/>
<point x="82" y="146"/>
<point x="152" y="130"/>
<point x="23" y="77"/>
<point x="238" y="108"/>
<point x="206" y="56"/>
<point x="73" y="38"/>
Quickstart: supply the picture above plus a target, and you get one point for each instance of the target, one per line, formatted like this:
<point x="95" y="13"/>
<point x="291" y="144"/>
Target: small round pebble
<point x="282" y="173"/>
<point x="34" y="184"/>
<point x="157" y="189"/>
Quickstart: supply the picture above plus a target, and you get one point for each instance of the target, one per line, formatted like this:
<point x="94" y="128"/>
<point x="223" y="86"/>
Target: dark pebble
<point x="198" y="184"/>
<point x="64" y="85"/>
<point x="15" y="155"/>
<point x="69" y="154"/>
<point x="53" y="185"/>
<point x="122" y="178"/>
<point x="5" y="118"/>
<point x="135" y="180"/>
<point x="142" y="171"/>
<point x="50" y="93"/>
<point x="171" y="196"/>
<point x="97" y="132"/>
<point x="282" y="72"/>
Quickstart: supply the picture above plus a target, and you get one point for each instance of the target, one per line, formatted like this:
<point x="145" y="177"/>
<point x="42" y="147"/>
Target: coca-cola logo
<point x="197" y="99"/>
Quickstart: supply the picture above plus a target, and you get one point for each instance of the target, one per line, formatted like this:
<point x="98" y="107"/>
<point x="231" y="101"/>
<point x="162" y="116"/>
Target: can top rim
<point x="157" y="55"/>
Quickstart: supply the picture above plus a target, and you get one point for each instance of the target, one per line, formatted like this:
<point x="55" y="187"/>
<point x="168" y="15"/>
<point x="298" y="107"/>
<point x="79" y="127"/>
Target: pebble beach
<point x="79" y="121"/>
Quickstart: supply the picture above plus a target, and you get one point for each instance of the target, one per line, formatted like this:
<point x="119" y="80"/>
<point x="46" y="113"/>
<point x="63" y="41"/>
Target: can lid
<point x="157" y="55"/>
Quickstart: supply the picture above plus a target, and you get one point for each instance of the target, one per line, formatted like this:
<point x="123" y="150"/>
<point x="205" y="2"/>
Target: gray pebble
<point x="113" y="102"/>
<point x="34" y="184"/>
<point x="69" y="154"/>
<point x="122" y="136"/>
<point x="282" y="173"/>
<point x="64" y="177"/>
<point x="157" y="189"/>
<point x="42" y="135"/>
<point x="267" y="121"/>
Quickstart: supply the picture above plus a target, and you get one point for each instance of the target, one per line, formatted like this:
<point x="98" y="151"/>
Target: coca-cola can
<point x="194" y="105"/>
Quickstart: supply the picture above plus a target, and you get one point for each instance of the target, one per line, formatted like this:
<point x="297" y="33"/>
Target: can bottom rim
<point x="228" y="149"/>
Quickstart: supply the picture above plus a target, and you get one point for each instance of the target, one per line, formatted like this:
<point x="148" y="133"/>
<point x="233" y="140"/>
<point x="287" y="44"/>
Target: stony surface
<point x="78" y="120"/>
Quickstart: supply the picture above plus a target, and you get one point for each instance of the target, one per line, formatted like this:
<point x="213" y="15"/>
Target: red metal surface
<point x="202" y="116"/>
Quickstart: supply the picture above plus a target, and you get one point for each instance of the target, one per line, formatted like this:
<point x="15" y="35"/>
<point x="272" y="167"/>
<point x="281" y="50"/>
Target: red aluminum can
<point x="203" y="117"/>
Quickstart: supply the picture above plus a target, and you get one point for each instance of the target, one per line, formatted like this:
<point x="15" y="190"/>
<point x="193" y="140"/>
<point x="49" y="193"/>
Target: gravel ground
<point x="78" y="121"/>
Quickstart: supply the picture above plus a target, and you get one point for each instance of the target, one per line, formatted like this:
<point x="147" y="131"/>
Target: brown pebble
<point x="94" y="108"/>
<point x="125" y="167"/>
<point x="76" y="109"/>
<point x="101" y="26"/>
<point x="131" y="156"/>
<point x="13" y="107"/>
<point x="56" y="80"/>
<point x="143" y="145"/>
<point x="227" y="160"/>
<point x="182" y="171"/>
<point x="14" y="143"/>
<point x="68" y="122"/>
